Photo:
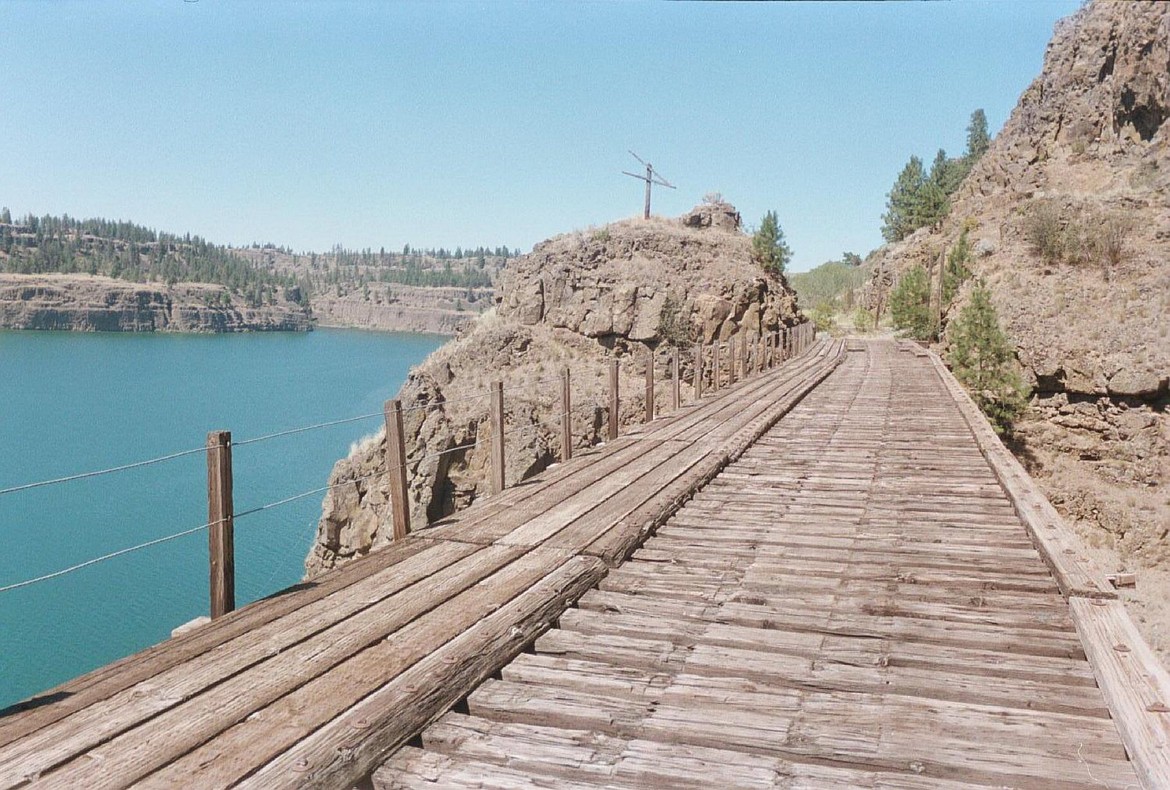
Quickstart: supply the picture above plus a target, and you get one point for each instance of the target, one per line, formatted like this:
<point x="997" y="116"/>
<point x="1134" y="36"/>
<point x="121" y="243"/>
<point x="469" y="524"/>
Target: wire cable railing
<point x="781" y="346"/>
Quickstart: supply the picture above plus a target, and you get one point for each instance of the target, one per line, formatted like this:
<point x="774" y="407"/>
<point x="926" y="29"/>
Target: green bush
<point x="983" y="360"/>
<point x="862" y="320"/>
<point x="1083" y="238"/>
<point x="822" y="317"/>
<point x="1044" y="232"/>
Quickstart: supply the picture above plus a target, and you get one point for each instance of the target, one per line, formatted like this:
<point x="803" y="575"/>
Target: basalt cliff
<point x="1068" y="215"/>
<point x="578" y="300"/>
<point x="91" y="303"/>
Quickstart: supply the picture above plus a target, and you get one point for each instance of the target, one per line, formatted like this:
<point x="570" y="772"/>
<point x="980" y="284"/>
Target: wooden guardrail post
<point x="614" y="400"/>
<point x="698" y="378"/>
<point x="396" y="469"/>
<point x="650" y="387"/>
<point x="715" y="366"/>
<point x="497" y="418"/>
<point x="566" y="417"/>
<point x="675" y="380"/>
<point x="221" y="515"/>
<point x="731" y="361"/>
<point x="761" y="353"/>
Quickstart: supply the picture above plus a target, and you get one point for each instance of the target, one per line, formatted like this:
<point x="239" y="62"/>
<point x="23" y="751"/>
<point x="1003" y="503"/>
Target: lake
<point x="75" y="402"/>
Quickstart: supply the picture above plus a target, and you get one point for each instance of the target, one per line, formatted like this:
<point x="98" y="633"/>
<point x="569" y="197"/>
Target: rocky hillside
<point x="1069" y="216"/>
<point x="577" y="300"/>
<point x="92" y="303"/>
<point x="433" y="291"/>
<point x="404" y="308"/>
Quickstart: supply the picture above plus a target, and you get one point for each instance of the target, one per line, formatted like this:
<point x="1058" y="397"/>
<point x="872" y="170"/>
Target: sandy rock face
<point x="578" y="300"/>
<point x="1089" y="144"/>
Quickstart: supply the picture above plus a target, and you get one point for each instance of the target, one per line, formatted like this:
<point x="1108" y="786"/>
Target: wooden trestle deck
<point x="853" y="598"/>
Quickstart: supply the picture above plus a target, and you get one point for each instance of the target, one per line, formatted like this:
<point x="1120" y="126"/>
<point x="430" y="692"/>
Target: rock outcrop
<point x="579" y="300"/>
<point x="90" y="303"/>
<point x="1069" y="216"/>
<point x="404" y="308"/>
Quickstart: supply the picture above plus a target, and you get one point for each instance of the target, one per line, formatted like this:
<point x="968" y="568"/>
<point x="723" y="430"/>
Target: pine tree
<point x="956" y="272"/>
<point x="947" y="173"/>
<point x="910" y="305"/>
<point x="903" y="204"/>
<point x="768" y="246"/>
<point x="933" y="204"/>
<point x="982" y="359"/>
<point x="978" y="140"/>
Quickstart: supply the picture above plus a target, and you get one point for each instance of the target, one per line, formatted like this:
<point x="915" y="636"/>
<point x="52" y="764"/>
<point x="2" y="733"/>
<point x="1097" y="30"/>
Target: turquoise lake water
<point x="75" y="402"/>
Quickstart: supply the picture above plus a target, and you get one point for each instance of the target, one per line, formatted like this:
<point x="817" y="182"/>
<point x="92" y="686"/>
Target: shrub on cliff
<point x="674" y="324"/>
<point x="983" y="360"/>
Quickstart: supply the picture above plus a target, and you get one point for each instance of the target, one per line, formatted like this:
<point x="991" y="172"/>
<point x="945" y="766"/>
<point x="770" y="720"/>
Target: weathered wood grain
<point x="1135" y="684"/>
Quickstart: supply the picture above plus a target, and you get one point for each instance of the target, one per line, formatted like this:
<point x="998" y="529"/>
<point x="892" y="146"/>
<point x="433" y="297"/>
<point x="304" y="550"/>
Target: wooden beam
<point x="715" y="366"/>
<point x="698" y="376"/>
<point x="676" y="380"/>
<point x="396" y="469"/>
<point x="650" y="387"/>
<point x="566" y="417"/>
<point x="497" y="418"/>
<point x="614" y="399"/>
<point x="1133" y="681"/>
<point x="220" y="515"/>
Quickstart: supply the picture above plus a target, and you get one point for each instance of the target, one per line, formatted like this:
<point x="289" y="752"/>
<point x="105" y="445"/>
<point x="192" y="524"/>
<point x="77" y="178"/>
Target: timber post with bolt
<point x="676" y="381"/>
<point x="221" y="515"/>
<point x="698" y="377"/>
<point x="497" y="417"/>
<point x="614" y="400"/>
<point x="396" y="469"/>
<point x="566" y="417"/>
<point x="650" y="387"/>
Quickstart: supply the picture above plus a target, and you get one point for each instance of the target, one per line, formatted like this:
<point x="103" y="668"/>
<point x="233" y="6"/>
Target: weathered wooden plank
<point x="81" y="692"/>
<point x="1016" y="748"/>
<point x="292" y="681"/>
<point x="401" y="710"/>
<point x="338" y="621"/>
<point x="417" y="769"/>
<point x="1134" y="683"/>
<point x="681" y="629"/>
<point x="1075" y="571"/>
<point x="1026" y="642"/>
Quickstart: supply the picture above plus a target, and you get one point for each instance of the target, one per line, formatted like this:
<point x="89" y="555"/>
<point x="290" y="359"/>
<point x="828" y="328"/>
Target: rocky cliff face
<point x="404" y="308"/>
<point x="1070" y="219"/>
<point x="101" y="304"/>
<point x="578" y="300"/>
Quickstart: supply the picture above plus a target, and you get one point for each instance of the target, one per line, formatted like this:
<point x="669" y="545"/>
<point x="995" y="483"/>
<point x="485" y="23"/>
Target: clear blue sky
<point x="379" y="124"/>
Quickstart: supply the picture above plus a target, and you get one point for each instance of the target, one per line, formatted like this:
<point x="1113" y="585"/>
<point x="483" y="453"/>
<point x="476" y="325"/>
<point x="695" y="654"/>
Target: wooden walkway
<point x="853" y="603"/>
<point x="851" y="599"/>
